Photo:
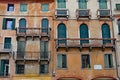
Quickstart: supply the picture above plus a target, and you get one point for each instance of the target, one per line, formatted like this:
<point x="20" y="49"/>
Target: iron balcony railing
<point x="33" y="31"/>
<point x="61" y="13"/>
<point x="85" y="42"/>
<point x="104" y="13"/>
<point x="83" y="13"/>
<point x="31" y="55"/>
<point x="6" y="47"/>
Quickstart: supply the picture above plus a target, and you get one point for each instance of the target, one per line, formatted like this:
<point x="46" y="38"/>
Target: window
<point x="61" y="33"/>
<point x="44" y="50"/>
<point x="108" y="60"/>
<point x="45" y="25"/>
<point x="10" y="7"/>
<point x="82" y="4"/>
<point x="61" y="3"/>
<point x="119" y="26"/>
<point x="23" y="7"/>
<point x="8" y="24"/>
<point x="44" y="68"/>
<point x="22" y="25"/>
<point x="85" y="61"/>
<point x="62" y="61"/>
<point x="4" y="67"/>
<point x="117" y="6"/>
<point x="7" y="43"/>
<point x="103" y="4"/>
<point x="19" y="69"/>
<point x="45" y="7"/>
<point x="84" y="33"/>
<point x="106" y="33"/>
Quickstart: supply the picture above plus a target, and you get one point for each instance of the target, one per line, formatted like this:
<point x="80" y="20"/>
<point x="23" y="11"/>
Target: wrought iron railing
<point x="103" y="13"/>
<point x="61" y="13"/>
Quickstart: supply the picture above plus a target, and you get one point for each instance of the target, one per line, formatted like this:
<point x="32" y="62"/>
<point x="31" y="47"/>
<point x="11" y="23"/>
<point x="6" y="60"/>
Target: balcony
<point x="45" y="56"/>
<point x="83" y="14"/>
<point x="104" y="13"/>
<point x="85" y="43"/>
<point x="5" y="48"/>
<point x="32" y="56"/>
<point x="33" y="32"/>
<point x="61" y="13"/>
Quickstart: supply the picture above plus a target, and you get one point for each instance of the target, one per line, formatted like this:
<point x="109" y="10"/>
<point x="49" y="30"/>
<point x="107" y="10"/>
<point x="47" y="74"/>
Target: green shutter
<point x="102" y="4"/>
<point x="59" y="56"/>
<point x="2" y="67"/>
<point x="4" y="24"/>
<point x="82" y="4"/>
<point x="64" y="61"/>
<point x="119" y="26"/>
<point x="13" y="24"/>
<point x="7" y="43"/>
<point x="22" y="25"/>
<point x="111" y="60"/>
<point x="106" y="61"/>
<point x="16" y="71"/>
<point x="105" y="33"/>
<point x="46" y="68"/>
<point x="84" y="33"/>
<point x="45" y="24"/>
<point x="61" y="3"/>
<point x="23" y="7"/>
<point x="42" y="49"/>
<point x="45" y="7"/>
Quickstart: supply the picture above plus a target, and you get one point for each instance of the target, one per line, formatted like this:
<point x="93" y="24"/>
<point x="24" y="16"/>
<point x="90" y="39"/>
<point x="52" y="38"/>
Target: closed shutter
<point x="61" y="33"/>
<point x="119" y="26"/>
<point x="16" y="69"/>
<point x="46" y="68"/>
<point x="23" y="7"/>
<point x="45" y="24"/>
<point x="22" y="25"/>
<point x="42" y="49"/>
<point x="103" y="4"/>
<point x="45" y="7"/>
<point x="105" y="33"/>
<point x="46" y="49"/>
<point x="106" y="61"/>
<point x="111" y="61"/>
<point x="41" y="68"/>
<point x="84" y="33"/>
<point x="2" y="68"/>
<point x="7" y="43"/>
<point x="61" y="3"/>
<point x="13" y="24"/>
<point x="4" y="24"/>
<point x="82" y="4"/>
<point x="59" y="56"/>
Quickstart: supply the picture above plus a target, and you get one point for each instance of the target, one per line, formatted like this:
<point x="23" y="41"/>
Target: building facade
<point x="58" y="40"/>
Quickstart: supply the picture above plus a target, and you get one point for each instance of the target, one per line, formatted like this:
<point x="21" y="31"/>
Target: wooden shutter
<point x="41" y="68"/>
<point x="7" y="43"/>
<point x="119" y="26"/>
<point x="84" y="33"/>
<point x="106" y="61"/>
<point x="46" y="68"/>
<point x="16" y="71"/>
<point x="103" y="4"/>
<point x="105" y="33"/>
<point x="22" y="25"/>
<point x="61" y="3"/>
<point x="4" y="24"/>
<point x="82" y="4"/>
<point x="2" y="68"/>
<point x="45" y="24"/>
<point x="42" y="49"/>
<point x="111" y="61"/>
<point x="64" y="61"/>
<point x="59" y="56"/>
<point x="23" y="7"/>
<point x="13" y="24"/>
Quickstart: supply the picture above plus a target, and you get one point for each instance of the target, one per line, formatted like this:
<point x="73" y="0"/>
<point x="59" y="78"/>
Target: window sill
<point x="62" y="68"/>
<point x="109" y="68"/>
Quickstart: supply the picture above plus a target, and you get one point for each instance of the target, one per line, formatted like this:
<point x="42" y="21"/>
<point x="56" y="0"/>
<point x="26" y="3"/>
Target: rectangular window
<point x="45" y="7"/>
<point x="10" y="7"/>
<point x="108" y="60"/>
<point x="23" y="7"/>
<point x="102" y="4"/>
<point x="19" y="68"/>
<point x="8" y="24"/>
<point x="7" y="43"/>
<point x="4" y="67"/>
<point x="85" y="61"/>
<point x="62" y="61"/>
<point x="44" y="68"/>
<point x="61" y="3"/>
<point x="117" y="6"/>
<point x="82" y="4"/>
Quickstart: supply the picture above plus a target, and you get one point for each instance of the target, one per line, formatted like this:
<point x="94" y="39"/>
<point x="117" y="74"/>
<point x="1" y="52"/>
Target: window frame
<point x="117" y="8"/>
<point x="42" y="7"/>
<point x="89" y="63"/>
<point x="21" y="9"/>
<point x="45" y="71"/>
<point x="18" y="70"/>
<point x="8" y="7"/>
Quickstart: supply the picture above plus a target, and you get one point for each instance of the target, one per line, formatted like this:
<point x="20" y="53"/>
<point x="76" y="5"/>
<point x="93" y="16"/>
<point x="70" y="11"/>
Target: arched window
<point x="84" y="33"/>
<point x="45" y="25"/>
<point x="118" y="25"/>
<point x="102" y="4"/>
<point x="61" y="32"/>
<point x="82" y="4"/>
<point x="22" y="25"/>
<point x="106" y="33"/>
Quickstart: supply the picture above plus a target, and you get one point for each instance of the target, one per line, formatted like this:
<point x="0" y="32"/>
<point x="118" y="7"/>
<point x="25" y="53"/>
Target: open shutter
<point x="16" y="71"/>
<point x="64" y="61"/>
<point x="4" y="24"/>
<point x="119" y="26"/>
<point x="2" y="67"/>
<point x="111" y="60"/>
<point x="59" y="60"/>
<point x="41" y="68"/>
<point x="13" y="24"/>
<point x="46" y="68"/>
<point x="106" y="61"/>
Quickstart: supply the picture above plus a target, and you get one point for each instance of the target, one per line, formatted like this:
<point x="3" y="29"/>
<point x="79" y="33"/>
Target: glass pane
<point x="9" y="24"/>
<point x="23" y="7"/>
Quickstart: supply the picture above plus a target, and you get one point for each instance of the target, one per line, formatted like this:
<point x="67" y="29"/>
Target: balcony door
<point x="105" y="33"/>
<point x="61" y="33"/>
<point x="22" y="25"/>
<point x="84" y="33"/>
<point x="102" y="4"/>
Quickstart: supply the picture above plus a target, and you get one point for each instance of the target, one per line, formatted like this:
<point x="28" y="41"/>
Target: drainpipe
<point x="114" y="37"/>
